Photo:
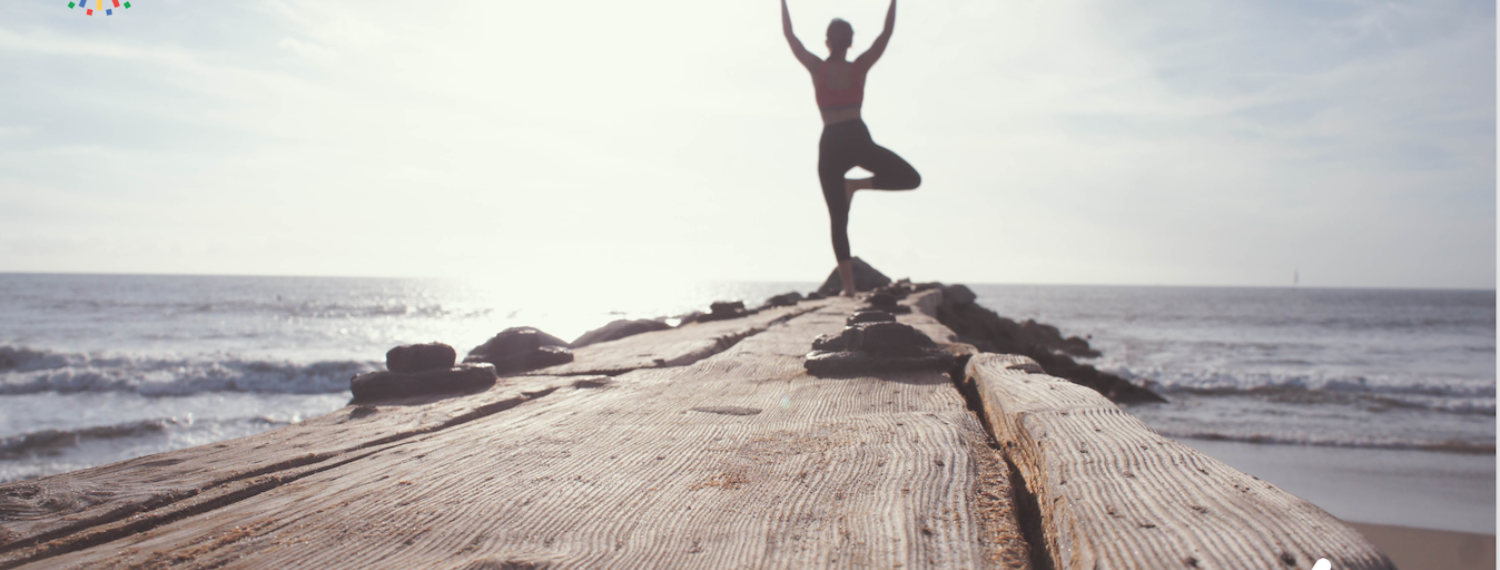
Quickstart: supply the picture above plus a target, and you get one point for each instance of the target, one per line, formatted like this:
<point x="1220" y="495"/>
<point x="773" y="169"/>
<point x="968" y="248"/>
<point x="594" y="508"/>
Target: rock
<point x="462" y="379"/>
<point x="518" y="349"/>
<point x="726" y="307"/>
<point x="869" y="316"/>
<point x="865" y="278"/>
<point x="1113" y="387"/>
<point x="898" y="290"/>
<point x="514" y="339"/>
<point x="989" y="332"/>
<point x="1049" y="336"/>
<point x="420" y="357"/>
<point x="721" y="310"/>
<point x="887" y="302"/>
<point x="813" y="296"/>
<point x="618" y="330"/>
<point x="889" y="339"/>
<point x="784" y="299"/>
<point x="542" y="357"/>
<point x="959" y="295"/>
<point x="1079" y="347"/>
<point x="875" y="343"/>
<point x="689" y="318"/>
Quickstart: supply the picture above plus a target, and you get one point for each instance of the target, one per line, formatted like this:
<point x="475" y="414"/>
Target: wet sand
<point x="1424" y="549"/>
<point x="1398" y="488"/>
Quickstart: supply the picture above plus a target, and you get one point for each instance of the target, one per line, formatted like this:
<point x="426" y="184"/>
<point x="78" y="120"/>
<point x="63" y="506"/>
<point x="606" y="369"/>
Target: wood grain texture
<point x="1114" y="494"/>
<point x="673" y="347"/>
<point x="738" y="460"/>
<point x="86" y="506"/>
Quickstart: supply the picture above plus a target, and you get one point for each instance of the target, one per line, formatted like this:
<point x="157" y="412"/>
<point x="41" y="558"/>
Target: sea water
<point x="1376" y="405"/>
<point x="1331" y="367"/>
<point x="101" y="368"/>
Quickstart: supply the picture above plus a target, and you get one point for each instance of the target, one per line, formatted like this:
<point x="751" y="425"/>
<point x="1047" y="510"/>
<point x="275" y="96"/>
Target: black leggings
<point x="847" y="145"/>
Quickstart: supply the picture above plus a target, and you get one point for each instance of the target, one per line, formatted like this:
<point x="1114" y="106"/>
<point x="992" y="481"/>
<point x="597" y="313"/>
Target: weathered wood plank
<point x="738" y="460"/>
<point x="672" y="347"/>
<point x="89" y="505"/>
<point x="1112" y="493"/>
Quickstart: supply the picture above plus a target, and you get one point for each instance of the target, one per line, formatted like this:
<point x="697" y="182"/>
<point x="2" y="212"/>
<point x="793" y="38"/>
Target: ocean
<point x="101" y="368"/>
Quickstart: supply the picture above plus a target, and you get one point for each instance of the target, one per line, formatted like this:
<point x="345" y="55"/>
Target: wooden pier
<point x="703" y="446"/>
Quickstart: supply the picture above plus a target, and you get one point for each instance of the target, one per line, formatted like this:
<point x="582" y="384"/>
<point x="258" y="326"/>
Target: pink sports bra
<point x="829" y="98"/>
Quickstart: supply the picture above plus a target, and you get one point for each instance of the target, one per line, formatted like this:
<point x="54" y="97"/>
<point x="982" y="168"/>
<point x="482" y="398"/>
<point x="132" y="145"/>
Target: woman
<point x="840" y="88"/>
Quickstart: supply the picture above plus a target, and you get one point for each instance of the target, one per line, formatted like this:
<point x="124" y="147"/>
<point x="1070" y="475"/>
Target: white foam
<point x="32" y="371"/>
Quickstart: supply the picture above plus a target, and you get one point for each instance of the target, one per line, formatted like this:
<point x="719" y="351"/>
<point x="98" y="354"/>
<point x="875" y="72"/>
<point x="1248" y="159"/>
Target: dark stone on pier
<point x="890" y="339"/>
<point x="518" y="349"/>
<point x="420" y="357"/>
<point x="618" y="330"/>
<point x="887" y="302"/>
<point x="784" y="300"/>
<point x="870" y="316"/>
<point x="899" y="289"/>
<point x="461" y="379"/>
<point x="721" y="310"/>
<point x="875" y="343"/>
<point x="866" y="278"/>
<point x="516" y="339"/>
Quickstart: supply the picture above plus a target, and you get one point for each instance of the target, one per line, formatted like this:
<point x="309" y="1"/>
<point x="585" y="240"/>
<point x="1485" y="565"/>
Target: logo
<point x="98" y="5"/>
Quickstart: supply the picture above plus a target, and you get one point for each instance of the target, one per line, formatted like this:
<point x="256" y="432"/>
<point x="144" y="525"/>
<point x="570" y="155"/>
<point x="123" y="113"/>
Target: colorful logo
<point x="98" y="5"/>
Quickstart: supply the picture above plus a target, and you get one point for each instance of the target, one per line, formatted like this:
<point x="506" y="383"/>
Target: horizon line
<point x="788" y="281"/>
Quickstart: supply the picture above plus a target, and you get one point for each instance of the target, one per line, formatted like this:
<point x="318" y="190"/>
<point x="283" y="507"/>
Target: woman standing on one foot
<point x="840" y="88"/>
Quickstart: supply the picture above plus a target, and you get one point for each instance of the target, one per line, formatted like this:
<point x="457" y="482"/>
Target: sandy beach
<point x="1437" y="510"/>
<point x="1426" y="549"/>
<point x="1415" y="489"/>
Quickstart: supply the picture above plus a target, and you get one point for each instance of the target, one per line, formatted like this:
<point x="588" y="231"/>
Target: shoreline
<point x="1425" y="490"/>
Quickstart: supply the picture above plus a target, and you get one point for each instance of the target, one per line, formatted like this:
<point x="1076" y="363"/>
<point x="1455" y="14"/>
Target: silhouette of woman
<point x="840" y="88"/>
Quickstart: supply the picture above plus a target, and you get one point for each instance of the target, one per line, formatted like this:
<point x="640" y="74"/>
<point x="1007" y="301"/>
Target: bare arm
<point x="867" y="60"/>
<point x="807" y="58"/>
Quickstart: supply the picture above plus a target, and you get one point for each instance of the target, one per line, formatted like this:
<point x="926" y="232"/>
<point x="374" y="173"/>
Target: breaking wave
<point x="1450" y="446"/>
<point x="1456" y="396"/>
<point x="30" y="371"/>
<point x="51" y="442"/>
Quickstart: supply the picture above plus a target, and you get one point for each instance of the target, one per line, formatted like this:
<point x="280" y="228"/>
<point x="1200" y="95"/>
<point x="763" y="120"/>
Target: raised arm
<point x="872" y="55"/>
<point x="807" y="58"/>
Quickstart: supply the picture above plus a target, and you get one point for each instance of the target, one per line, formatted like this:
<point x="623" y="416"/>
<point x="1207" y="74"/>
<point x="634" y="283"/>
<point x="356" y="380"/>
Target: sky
<point x="1172" y="142"/>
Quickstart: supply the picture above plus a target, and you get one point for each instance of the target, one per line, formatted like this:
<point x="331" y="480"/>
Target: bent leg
<point x="891" y="171"/>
